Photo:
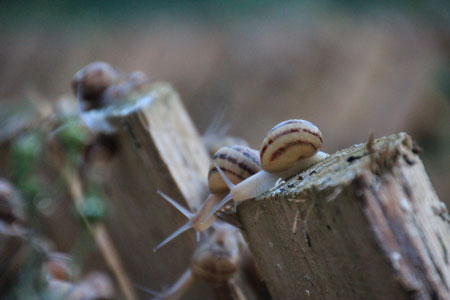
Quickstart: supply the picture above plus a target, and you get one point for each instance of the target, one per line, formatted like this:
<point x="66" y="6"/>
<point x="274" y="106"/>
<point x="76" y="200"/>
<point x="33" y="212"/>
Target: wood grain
<point x="159" y="149"/>
<point x="369" y="226"/>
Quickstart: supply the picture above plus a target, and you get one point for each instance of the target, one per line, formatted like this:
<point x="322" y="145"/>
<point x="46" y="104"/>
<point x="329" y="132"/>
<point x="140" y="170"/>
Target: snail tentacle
<point x="178" y="206"/>
<point x="179" y="231"/>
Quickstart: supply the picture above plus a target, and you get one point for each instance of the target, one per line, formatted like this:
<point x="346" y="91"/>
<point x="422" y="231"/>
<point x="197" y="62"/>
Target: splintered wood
<point x="365" y="223"/>
<point x="159" y="149"/>
<point x="370" y="227"/>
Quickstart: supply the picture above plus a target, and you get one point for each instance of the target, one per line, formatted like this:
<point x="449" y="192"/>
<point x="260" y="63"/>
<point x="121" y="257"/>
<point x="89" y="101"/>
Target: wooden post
<point x="364" y="223"/>
<point x="159" y="149"/>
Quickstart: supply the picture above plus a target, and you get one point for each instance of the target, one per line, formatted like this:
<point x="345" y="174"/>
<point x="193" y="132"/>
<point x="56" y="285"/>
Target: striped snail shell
<point x="237" y="162"/>
<point x="213" y="142"/>
<point x="288" y="142"/>
<point x="60" y="266"/>
<point x="290" y="147"/>
<point x="218" y="259"/>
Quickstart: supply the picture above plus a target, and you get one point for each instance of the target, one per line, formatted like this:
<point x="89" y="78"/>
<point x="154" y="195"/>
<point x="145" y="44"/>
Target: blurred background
<point x="351" y="67"/>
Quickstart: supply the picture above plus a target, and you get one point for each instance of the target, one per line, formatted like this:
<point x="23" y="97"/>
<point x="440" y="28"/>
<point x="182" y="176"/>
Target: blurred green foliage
<point x="25" y="153"/>
<point x="72" y="137"/>
<point x="94" y="208"/>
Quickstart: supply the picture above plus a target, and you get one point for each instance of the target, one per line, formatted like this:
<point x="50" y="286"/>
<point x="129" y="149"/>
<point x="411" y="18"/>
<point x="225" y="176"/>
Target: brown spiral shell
<point x="94" y="78"/>
<point x="218" y="259"/>
<point x="237" y="162"/>
<point x="288" y="142"/>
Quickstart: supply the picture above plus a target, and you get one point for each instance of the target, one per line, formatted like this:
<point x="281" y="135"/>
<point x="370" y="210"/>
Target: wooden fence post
<point x="364" y="223"/>
<point x="159" y="149"/>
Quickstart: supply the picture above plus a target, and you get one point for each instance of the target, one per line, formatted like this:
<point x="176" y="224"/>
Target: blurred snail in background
<point x="135" y="82"/>
<point x="15" y="247"/>
<point x="23" y="253"/>
<point x="93" y="286"/>
<point x="239" y="163"/>
<point x="98" y="85"/>
<point x="288" y="148"/>
<point x="89" y="83"/>
<point x="215" y="261"/>
<point x="60" y="266"/>
<point x="61" y="275"/>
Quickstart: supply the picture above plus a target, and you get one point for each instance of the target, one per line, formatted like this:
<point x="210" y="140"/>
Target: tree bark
<point x="365" y="223"/>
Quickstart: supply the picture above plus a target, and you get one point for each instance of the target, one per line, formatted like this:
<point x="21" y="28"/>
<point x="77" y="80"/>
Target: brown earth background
<point x="380" y="70"/>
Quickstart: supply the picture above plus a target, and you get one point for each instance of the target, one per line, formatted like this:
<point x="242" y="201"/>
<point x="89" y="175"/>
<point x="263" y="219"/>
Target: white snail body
<point x="239" y="163"/>
<point x="263" y="180"/>
<point x="290" y="147"/>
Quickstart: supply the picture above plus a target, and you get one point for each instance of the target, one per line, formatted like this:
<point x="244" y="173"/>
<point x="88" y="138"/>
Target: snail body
<point x="239" y="163"/>
<point x="263" y="180"/>
<point x="288" y="148"/>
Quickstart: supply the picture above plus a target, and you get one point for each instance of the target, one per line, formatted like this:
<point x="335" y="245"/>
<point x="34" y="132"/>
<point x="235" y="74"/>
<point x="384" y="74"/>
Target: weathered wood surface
<point x="159" y="149"/>
<point x="364" y="223"/>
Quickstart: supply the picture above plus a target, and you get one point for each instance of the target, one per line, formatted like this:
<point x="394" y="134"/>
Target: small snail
<point x="135" y="82"/>
<point x="214" y="143"/>
<point x="239" y="163"/>
<point x="94" y="286"/>
<point x="288" y="148"/>
<point x="90" y="82"/>
<point x="98" y="85"/>
<point x="59" y="266"/>
<point x="215" y="261"/>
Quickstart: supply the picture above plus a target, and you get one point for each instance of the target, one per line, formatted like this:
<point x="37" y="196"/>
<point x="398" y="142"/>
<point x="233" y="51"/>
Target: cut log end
<point x="368" y="224"/>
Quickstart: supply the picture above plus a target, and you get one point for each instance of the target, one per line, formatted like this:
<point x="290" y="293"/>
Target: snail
<point x="60" y="266"/>
<point x="214" y="261"/>
<point x="89" y="84"/>
<point x="98" y="85"/>
<point x="288" y="148"/>
<point x="93" y="286"/>
<point x="214" y="143"/>
<point x="135" y="82"/>
<point x="239" y="163"/>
